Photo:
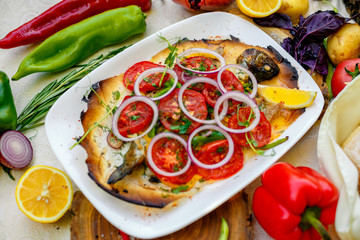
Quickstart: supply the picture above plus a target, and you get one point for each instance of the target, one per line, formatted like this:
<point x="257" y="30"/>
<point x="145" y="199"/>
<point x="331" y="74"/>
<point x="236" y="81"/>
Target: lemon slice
<point x="258" y="8"/>
<point x="44" y="193"/>
<point x="292" y="98"/>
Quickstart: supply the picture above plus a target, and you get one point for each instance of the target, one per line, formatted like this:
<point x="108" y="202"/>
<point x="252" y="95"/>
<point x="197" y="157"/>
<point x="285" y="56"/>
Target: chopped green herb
<point x="164" y="189"/>
<point x="220" y="150"/>
<point x="116" y="95"/>
<point x="202" y="180"/>
<point x="133" y="106"/>
<point x="134" y="117"/>
<point x="179" y="189"/>
<point x="182" y="127"/>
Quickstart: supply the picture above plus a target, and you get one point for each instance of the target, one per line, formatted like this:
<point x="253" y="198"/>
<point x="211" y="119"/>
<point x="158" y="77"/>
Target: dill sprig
<point x="35" y="111"/>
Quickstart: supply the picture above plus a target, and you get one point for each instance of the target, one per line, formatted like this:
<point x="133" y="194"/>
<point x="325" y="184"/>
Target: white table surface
<point x="14" y="224"/>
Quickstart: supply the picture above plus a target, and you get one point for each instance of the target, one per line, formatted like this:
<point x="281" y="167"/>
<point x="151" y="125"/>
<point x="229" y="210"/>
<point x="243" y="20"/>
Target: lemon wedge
<point x="44" y="193"/>
<point x="292" y="98"/>
<point x="258" y="8"/>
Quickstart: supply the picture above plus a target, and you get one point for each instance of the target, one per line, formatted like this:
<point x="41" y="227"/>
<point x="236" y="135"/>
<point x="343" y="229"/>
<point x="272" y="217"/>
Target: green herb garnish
<point x="35" y="111"/>
<point x="8" y="171"/>
<point x="170" y="60"/>
<point x="182" y="127"/>
<point x="134" y="117"/>
<point x="179" y="189"/>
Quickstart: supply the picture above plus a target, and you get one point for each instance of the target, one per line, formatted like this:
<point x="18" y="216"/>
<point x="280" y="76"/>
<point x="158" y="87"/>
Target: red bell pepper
<point x="62" y="15"/>
<point x="124" y="236"/>
<point x="295" y="203"/>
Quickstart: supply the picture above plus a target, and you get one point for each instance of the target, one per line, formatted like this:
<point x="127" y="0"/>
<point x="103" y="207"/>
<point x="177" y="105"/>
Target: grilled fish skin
<point x="132" y="158"/>
<point x="259" y="63"/>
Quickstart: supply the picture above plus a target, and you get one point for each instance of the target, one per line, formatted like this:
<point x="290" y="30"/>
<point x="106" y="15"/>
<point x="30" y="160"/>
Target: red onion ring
<point x="146" y="100"/>
<point x="240" y="97"/>
<point x="186" y="77"/>
<point x="151" y="161"/>
<point x="251" y="75"/>
<point x="200" y="50"/>
<point x="152" y="71"/>
<point x="222" y="162"/>
<point x="113" y="141"/>
<point x="15" y="150"/>
<point x="181" y="93"/>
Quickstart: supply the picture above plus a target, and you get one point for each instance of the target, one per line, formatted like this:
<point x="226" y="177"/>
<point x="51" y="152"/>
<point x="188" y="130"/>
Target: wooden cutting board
<point x="87" y="222"/>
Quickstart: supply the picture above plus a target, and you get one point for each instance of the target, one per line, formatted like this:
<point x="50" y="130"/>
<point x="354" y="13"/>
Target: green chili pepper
<point x="201" y="140"/>
<point x="224" y="230"/>
<point x="8" y="114"/>
<point x="77" y="42"/>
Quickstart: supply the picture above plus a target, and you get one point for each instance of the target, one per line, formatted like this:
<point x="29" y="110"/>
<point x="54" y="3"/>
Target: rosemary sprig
<point x="35" y="111"/>
<point x="109" y="110"/>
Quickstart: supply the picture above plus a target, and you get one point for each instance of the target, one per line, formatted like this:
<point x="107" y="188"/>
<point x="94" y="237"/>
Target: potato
<point x="294" y="8"/>
<point x="344" y="44"/>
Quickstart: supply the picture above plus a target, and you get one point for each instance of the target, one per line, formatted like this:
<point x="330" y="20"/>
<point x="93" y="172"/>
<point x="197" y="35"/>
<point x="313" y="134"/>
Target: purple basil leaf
<point x="289" y="46"/>
<point x="313" y="55"/>
<point x="322" y="62"/>
<point x="301" y="21"/>
<point x="319" y="25"/>
<point x="307" y="55"/>
<point x="279" y="20"/>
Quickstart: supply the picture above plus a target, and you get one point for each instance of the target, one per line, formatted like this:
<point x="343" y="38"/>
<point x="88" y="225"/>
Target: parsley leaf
<point x="134" y="117"/>
<point x="182" y="127"/>
<point x="220" y="150"/>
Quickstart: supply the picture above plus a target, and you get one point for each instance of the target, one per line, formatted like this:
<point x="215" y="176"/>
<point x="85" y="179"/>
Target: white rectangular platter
<point x="63" y="125"/>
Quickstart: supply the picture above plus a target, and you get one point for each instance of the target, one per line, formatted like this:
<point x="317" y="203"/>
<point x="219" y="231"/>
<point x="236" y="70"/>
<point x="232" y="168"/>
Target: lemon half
<point x="258" y="8"/>
<point x="44" y="193"/>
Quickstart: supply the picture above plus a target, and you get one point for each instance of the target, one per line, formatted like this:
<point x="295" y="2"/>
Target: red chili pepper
<point x="295" y="203"/>
<point x="62" y="15"/>
<point x="124" y="236"/>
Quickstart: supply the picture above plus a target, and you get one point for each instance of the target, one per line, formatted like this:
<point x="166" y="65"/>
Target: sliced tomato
<point x="135" y="118"/>
<point x="259" y="136"/>
<point x="230" y="82"/>
<point x="174" y="119"/>
<point x="199" y="63"/>
<point x="151" y="83"/>
<point x="214" y="152"/>
<point x="211" y="94"/>
<point x="171" y="156"/>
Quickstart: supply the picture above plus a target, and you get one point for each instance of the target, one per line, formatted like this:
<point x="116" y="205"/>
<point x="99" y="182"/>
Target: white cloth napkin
<point x="340" y="119"/>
